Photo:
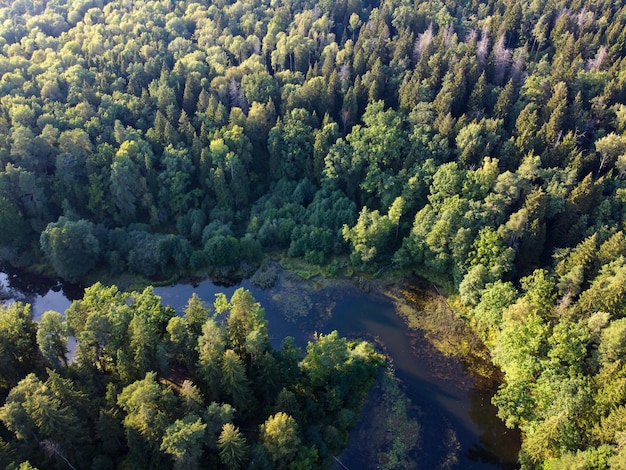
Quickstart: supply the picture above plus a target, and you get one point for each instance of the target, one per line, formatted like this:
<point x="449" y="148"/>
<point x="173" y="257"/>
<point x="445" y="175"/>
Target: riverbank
<point x="460" y="380"/>
<point x="420" y="303"/>
<point x="419" y="333"/>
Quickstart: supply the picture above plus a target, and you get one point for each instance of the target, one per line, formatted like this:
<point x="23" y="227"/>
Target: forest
<point x="478" y="145"/>
<point x="147" y="388"/>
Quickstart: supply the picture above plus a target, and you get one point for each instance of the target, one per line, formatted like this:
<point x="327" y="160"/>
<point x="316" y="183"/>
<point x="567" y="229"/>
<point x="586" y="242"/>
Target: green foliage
<point x="488" y="314"/>
<point x="14" y="223"/>
<point x="18" y="342"/>
<point x="146" y="404"/>
<point x="132" y="135"/>
<point x="372" y="232"/>
<point x="234" y="380"/>
<point x="211" y="347"/>
<point x="52" y="336"/>
<point x="279" y="435"/>
<point x="183" y="441"/>
<point x="40" y="412"/>
<point x="232" y="446"/>
<point x="137" y="403"/>
<point x="71" y="247"/>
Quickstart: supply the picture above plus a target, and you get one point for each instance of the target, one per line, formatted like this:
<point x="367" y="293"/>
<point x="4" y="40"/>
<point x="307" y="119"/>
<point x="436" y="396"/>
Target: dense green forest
<point x="480" y="145"/>
<point x="150" y="389"/>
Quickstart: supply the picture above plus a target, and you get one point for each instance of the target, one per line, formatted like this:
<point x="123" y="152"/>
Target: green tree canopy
<point x="71" y="247"/>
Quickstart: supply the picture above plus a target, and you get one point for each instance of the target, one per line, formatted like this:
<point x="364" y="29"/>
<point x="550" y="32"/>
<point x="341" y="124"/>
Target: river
<point x="447" y="400"/>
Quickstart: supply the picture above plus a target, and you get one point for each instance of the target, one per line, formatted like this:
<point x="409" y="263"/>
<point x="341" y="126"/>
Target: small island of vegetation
<point x="150" y="389"/>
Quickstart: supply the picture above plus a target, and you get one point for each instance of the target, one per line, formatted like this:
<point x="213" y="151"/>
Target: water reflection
<point x="43" y="293"/>
<point x="444" y="399"/>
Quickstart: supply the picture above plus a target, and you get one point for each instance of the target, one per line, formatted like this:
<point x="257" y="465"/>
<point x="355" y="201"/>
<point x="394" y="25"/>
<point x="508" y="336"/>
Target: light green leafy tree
<point x="279" y="435"/>
<point x="18" y="344"/>
<point x="183" y="440"/>
<point x="52" y="336"/>
<point x="71" y="247"/>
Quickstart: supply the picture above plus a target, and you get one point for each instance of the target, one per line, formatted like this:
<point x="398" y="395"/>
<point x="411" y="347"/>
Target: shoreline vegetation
<point x="423" y="309"/>
<point x="149" y="388"/>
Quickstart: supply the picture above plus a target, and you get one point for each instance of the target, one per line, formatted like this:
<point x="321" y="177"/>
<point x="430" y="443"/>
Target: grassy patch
<point x="338" y="267"/>
<point x="301" y="268"/>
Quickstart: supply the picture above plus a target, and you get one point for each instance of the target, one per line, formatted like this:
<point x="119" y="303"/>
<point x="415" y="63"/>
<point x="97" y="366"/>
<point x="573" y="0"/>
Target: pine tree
<point x="232" y="446"/>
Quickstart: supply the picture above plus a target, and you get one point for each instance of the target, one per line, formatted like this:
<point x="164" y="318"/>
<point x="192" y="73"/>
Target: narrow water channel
<point x="445" y="395"/>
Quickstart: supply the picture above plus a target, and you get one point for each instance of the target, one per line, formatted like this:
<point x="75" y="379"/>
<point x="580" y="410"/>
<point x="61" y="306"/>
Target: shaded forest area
<point x="481" y="145"/>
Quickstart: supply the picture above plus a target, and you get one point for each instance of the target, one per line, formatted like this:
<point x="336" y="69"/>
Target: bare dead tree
<point x="518" y="65"/>
<point x="54" y="449"/>
<point x="422" y="42"/>
<point x="448" y="35"/>
<point x="596" y="62"/>
<point x="501" y="59"/>
<point x="482" y="48"/>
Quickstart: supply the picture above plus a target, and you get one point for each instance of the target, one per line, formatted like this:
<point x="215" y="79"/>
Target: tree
<point x="93" y="341"/>
<point x="279" y="436"/>
<point x="16" y="228"/>
<point x="144" y="346"/>
<point x="378" y="146"/>
<point x="290" y="144"/>
<point x="70" y="173"/>
<point x="196" y="314"/>
<point x="52" y="336"/>
<point x="71" y="247"/>
<point x="38" y="415"/>
<point x="519" y="349"/>
<point x="494" y="300"/>
<point x="175" y="193"/>
<point x="613" y="343"/>
<point x="146" y="406"/>
<point x="324" y="138"/>
<point x="527" y="129"/>
<point x="610" y="148"/>
<point x="446" y="183"/>
<point x="473" y="283"/>
<point x="234" y="381"/>
<point x="18" y="344"/>
<point x="226" y="166"/>
<point x="325" y="358"/>
<point x="211" y="348"/>
<point x="129" y="185"/>
<point x="181" y="342"/>
<point x="372" y="232"/>
<point x="191" y="398"/>
<point x="505" y="101"/>
<point x="246" y="325"/>
<point x="259" y="87"/>
<point x="476" y="101"/>
<point x="98" y="167"/>
<point x="477" y="140"/>
<point x="222" y="251"/>
<point x="232" y="447"/>
<point x="97" y="298"/>
<point x="216" y="415"/>
<point x="607" y="291"/>
<point x="183" y="441"/>
<point x="490" y="251"/>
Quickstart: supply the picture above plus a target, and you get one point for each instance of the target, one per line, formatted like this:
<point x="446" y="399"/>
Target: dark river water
<point x="446" y="396"/>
